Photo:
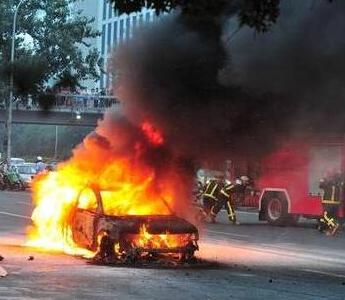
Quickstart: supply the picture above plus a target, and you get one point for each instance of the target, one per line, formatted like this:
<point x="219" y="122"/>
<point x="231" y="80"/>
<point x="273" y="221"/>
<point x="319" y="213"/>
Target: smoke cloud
<point x="301" y="61"/>
<point x="215" y="99"/>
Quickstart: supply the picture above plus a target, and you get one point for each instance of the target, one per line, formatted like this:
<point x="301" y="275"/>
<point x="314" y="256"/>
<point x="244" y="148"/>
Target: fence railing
<point x="71" y="103"/>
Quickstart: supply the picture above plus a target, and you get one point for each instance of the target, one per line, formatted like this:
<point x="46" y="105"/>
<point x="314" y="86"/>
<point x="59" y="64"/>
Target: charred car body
<point x="130" y="237"/>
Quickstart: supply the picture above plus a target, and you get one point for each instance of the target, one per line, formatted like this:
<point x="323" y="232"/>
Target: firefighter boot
<point x="231" y="214"/>
<point x="234" y="221"/>
<point x="212" y="217"/>
<point x="335" y="229"/>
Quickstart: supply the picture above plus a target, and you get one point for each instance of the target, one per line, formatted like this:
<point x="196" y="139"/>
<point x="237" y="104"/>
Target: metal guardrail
<point x="77" y="103"/>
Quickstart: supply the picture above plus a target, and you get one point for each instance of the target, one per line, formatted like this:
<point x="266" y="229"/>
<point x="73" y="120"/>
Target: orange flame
<point x="129" y="186"/>
<point x="152" y="133"/>
<point x="145" y="240"/>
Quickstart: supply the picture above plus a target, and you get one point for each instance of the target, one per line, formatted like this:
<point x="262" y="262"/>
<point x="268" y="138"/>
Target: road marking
<point x="247" y="212"/>
<point x="287" y="252"/>
<point x="244" y="212"/>
<point x="323" y="273"/>
<point x="25" y="203"/>
<point x="228" y="233"/>
<point x="14" y="215"/>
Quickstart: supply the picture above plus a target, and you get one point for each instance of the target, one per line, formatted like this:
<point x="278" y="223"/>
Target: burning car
<point x="129" y="238"/>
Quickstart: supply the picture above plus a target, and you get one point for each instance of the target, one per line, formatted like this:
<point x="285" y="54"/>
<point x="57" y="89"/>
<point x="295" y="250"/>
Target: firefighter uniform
<point x="211" y="194"/>
<point x="331" y="201"/>
<point x="226" y="197"/>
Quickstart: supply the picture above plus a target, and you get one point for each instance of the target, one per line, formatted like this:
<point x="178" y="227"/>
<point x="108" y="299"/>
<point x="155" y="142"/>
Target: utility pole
<point x="56" y="141"/>
<point x="10" y="100"/>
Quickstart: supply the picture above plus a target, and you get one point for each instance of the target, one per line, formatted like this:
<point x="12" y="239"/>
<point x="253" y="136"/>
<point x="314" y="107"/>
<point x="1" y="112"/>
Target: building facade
<point x="114" y="28"/>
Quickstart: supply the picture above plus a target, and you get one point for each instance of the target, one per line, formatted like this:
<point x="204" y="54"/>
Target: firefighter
<point x="227" y="197"/>
<point x="332" y="187"/>
<point x="210" y="194"/>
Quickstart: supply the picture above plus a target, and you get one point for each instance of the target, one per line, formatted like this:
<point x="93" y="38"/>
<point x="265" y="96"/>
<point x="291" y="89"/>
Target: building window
<point x="115" y="34"/>
<point x="121" y="30"/>
<point x="128" y="28"/>
<point x="110" y="10"/>
<point x="147" y="17"/>
<point x="109" y="37"/>
<point x="103" y="40"/>
<point x="104" y="9"/>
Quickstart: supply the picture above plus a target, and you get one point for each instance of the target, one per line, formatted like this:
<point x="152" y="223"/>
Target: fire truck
<point x="289" y="180"/>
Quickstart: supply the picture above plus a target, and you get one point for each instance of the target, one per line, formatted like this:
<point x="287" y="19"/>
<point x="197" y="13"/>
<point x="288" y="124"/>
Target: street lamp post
<point x="56" y="141"/>
<point x="9" y="106"/>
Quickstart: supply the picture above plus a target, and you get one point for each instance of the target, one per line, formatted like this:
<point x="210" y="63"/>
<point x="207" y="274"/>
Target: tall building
<point x="114" y="29"/>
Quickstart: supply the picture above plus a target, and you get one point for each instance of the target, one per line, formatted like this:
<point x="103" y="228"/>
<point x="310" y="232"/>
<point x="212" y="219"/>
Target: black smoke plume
<point x="216" y="99"/>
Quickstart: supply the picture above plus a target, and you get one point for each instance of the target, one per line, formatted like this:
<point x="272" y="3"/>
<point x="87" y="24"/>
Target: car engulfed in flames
<point x="122" y="196"/>
<point x="129" y="238"/>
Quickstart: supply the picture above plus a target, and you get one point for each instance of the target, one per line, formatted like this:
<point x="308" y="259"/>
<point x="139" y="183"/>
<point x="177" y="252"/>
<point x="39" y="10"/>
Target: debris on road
<point x="160" y="263"/>
<point x="30" y="258"/>
<point x="1" y="258"/>
<point x="3" y="272"/>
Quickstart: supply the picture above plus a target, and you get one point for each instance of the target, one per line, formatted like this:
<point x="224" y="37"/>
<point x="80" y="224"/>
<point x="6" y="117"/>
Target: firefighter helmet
<point x="244" y="179"/>
<point x="227" y="182"/>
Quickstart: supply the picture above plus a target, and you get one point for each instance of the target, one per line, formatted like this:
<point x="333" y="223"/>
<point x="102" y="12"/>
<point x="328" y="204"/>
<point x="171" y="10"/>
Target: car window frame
<point x="99" y="209"/>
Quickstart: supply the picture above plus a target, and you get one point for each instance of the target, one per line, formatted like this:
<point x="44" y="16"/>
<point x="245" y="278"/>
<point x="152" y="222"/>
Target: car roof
<point x="26" y="165"/>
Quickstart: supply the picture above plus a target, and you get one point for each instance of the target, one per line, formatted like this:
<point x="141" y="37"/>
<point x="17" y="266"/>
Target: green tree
<point x="259" y="14"/>
<point x="59" y="41"/>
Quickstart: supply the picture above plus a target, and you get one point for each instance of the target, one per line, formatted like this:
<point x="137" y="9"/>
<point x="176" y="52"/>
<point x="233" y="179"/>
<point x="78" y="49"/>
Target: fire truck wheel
<point x="276" y="211"/>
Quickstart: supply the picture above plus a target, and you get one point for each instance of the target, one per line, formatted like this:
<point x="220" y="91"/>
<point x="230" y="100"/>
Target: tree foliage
<point x="31" y="140"/>
<point x="259" y="14"/>
<point x="58" y="38"/>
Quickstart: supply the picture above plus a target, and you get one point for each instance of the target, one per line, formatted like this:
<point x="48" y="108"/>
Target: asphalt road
<point x="253" y="261"/>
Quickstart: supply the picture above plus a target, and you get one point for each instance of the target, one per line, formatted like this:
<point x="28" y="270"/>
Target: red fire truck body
<point x="290" y="181"/>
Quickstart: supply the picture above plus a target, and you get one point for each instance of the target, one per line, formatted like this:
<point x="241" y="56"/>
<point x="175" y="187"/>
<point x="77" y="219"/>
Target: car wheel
<point x="276" y="211"/>
<point x="105" y="246"/>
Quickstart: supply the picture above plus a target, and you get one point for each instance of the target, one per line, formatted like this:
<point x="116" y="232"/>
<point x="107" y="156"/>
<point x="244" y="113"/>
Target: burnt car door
<point x="85" y="218"/>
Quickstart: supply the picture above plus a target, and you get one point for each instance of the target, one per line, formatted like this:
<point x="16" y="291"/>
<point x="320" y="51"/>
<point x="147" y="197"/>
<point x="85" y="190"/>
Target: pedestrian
<point x="85" y="98"/>
<point x="102" y="97"/>
<point x="96" y="98"/>
<point x="40" y="165"/>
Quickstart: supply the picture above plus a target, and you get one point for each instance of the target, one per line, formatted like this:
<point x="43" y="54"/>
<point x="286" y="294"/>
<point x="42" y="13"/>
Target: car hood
<point x="157" y="224"/>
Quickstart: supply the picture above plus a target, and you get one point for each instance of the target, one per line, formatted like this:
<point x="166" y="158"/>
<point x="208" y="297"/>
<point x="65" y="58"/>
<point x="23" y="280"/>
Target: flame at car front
<point x="124" y="161"/>
<point x="146" y="240"/>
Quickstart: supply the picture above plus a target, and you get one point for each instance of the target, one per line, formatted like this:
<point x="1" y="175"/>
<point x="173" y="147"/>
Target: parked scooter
<point x="12" y="180"/>
<point x="2" y="181"/>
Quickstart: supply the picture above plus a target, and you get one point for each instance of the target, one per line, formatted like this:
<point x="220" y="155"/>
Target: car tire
<point x="276" y="211"/>
<point x="105" y="246"/>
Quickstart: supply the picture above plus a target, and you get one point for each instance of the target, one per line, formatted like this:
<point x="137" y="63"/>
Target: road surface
<point x="253" y="261"/>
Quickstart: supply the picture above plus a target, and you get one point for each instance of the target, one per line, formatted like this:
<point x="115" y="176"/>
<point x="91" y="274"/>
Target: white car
<point x="27" y="172"/>
<point x="17" y="161"/>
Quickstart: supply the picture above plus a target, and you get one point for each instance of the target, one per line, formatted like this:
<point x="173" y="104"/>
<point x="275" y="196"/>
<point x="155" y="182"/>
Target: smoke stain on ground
<point x="200" y="264"/>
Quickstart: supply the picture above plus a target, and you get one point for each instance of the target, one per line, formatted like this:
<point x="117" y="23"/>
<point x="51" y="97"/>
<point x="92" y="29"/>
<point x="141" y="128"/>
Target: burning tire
<point x="276" y="210"/>
<point x="105" y="247"/>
